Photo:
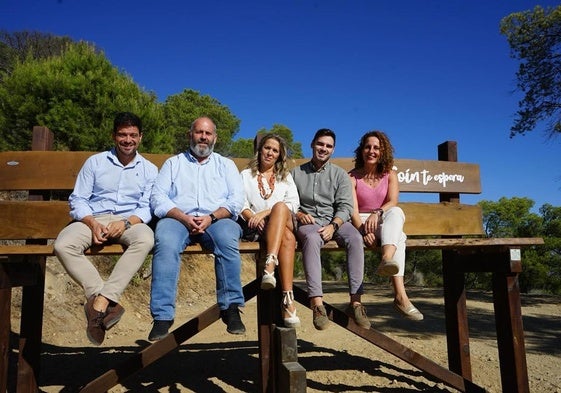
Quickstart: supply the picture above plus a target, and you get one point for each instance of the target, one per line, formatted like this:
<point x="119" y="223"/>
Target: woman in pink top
<point x="376" y="214"/>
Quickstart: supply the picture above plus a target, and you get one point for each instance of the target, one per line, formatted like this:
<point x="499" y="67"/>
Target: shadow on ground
<point x="227" y="366"/>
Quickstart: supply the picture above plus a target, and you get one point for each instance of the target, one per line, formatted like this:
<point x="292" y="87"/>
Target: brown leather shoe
<point x="113" y="315"/>
<point x="320" y="318"/>
<point x="358" y="313"/>
<point x="95" y="330"/>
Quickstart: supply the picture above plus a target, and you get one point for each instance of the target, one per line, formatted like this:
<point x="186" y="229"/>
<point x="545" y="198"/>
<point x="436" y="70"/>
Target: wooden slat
<point x="40" y="170"/>
<point x="253" y="247"/>
<point x="490" y="242"/>
<point x="451" y="219"/>
<point x="32" y="220"/>
<point x="45" y="219"/>
<point x="57" y="170"/>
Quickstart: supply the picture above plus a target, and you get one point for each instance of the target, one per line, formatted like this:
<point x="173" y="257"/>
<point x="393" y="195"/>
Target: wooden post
<point x="5" y="331"/>
<point x="508" y="321"/>
<point x="264" y="328"/>
<point x="455" y="308"/>
<point x="43" y="139"/>
<point x="31" y="326"/>
<point x="455" y="311"/>
<point x="291" y="376"/>
<point x="448" y="151"/>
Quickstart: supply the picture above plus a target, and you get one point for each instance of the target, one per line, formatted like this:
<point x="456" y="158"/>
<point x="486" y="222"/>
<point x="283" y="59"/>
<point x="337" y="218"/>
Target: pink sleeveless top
<point x="371" y="198"/>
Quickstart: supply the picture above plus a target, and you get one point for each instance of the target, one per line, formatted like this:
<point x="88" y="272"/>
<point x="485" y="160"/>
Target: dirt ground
<point x="335" y="360"/>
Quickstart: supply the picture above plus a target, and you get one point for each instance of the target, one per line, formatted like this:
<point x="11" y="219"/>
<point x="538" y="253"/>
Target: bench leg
<point x="510" y="332"/>
<point x="5" y="305"/>
<point x="455" y="309"/>
<point x="31" y="330"/>
<point x="265" y="322"/>
<point x="265" y="337"/>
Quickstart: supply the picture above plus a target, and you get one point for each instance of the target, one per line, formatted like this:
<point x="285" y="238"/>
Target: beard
<point x="202" y="151"/>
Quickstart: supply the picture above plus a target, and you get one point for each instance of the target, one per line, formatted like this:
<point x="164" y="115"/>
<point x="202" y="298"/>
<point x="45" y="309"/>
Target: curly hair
<point x="385" y="162"/>
<point x="281" y="166"/>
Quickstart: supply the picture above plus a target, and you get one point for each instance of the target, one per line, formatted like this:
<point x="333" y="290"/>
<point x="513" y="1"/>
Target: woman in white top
<point x="271" y="200"/>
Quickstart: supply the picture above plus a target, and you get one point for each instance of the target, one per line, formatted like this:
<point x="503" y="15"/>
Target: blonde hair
<point x="281" y="166"/>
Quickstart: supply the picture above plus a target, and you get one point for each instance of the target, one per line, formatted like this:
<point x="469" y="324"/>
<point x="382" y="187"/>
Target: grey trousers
<point x="76" y="238"/>
<point x="311" y="242"/>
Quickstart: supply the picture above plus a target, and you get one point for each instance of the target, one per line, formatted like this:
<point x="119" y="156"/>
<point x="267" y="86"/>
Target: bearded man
<point x="197" y="197"/>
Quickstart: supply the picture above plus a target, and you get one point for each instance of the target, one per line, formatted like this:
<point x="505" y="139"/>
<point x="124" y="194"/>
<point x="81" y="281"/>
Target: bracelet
<point x="379" y="212"/>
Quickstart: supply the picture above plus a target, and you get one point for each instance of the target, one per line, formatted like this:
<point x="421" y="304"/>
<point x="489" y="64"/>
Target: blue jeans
<point x="171" y="237"/>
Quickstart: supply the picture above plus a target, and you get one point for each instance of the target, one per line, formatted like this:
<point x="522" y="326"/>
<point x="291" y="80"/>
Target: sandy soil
<point x="335" y="360"/>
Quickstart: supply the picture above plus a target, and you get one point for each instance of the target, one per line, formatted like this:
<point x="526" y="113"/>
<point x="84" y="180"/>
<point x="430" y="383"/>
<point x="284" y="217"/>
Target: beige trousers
<point x="76" y="238"/>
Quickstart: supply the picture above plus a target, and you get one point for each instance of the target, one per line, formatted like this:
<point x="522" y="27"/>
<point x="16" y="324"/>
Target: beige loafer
<point x="410" y="312"/>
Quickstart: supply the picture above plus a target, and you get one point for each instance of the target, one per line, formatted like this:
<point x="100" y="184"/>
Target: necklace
<point x="270" y="182"/>
<point x="370" y="180"/>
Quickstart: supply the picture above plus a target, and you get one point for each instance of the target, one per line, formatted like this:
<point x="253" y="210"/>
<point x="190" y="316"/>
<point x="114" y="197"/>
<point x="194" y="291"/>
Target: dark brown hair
<point x="385" y="162"/>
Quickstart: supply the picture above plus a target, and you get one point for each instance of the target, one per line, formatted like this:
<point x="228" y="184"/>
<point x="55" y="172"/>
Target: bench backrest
<point x="46" y="173"/>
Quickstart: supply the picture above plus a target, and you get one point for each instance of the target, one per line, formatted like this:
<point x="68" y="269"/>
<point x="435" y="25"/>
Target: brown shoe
<point x="113" y="315"/>
<point x="95" y="330"/>
<point x="358" y="313"/>
<point x="320" y="319"/>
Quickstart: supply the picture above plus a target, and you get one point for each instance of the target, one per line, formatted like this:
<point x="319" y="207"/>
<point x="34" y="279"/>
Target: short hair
<point x="324" y="132"/>
<point x="385" y="162"/>
<point x="192" y="127"/>
<point x="126" y="119"/>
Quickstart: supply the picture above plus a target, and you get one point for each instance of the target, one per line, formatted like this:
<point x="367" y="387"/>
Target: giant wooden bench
<point x="28" y="226"/>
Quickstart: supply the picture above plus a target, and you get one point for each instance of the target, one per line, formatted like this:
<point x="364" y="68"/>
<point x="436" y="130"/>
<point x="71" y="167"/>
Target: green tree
<point x="76" y="95"/>
<point x="541" y="264"/>
<point x="180" y="110"/>
<point x="243" y="147"/>
<point x="510" y="217"/>
<point x="294" y="148"/>
<point x="552" y="250"/>
<point x="24" y="44"/>
<point x="535" y="39"/>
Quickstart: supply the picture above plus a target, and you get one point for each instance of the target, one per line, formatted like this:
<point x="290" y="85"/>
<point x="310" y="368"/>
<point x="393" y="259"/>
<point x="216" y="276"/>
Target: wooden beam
<point x="57" y="170"/>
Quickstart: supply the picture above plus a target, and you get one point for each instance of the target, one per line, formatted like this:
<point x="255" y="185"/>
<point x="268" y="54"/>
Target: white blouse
<point x="285" y="191"/>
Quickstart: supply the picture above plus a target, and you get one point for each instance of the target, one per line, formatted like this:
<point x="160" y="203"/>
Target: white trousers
<point x="390" y="232"/>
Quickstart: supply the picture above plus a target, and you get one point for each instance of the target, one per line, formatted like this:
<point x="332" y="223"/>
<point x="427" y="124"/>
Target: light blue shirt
<point x="105" y="186"/>
<point x="197" y="188"/>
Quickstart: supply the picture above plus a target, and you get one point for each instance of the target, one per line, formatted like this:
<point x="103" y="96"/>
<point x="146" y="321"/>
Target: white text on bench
<point x="425" y="177"/>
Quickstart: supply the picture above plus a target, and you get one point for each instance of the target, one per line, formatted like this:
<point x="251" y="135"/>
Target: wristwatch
<point x="213" y="218"/>
<point x="127" y="224"/>
<point x="335" y="226"/>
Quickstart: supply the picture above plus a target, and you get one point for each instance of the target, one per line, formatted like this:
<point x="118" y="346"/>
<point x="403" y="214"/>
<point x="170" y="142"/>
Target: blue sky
<point x="423" y="71"/>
